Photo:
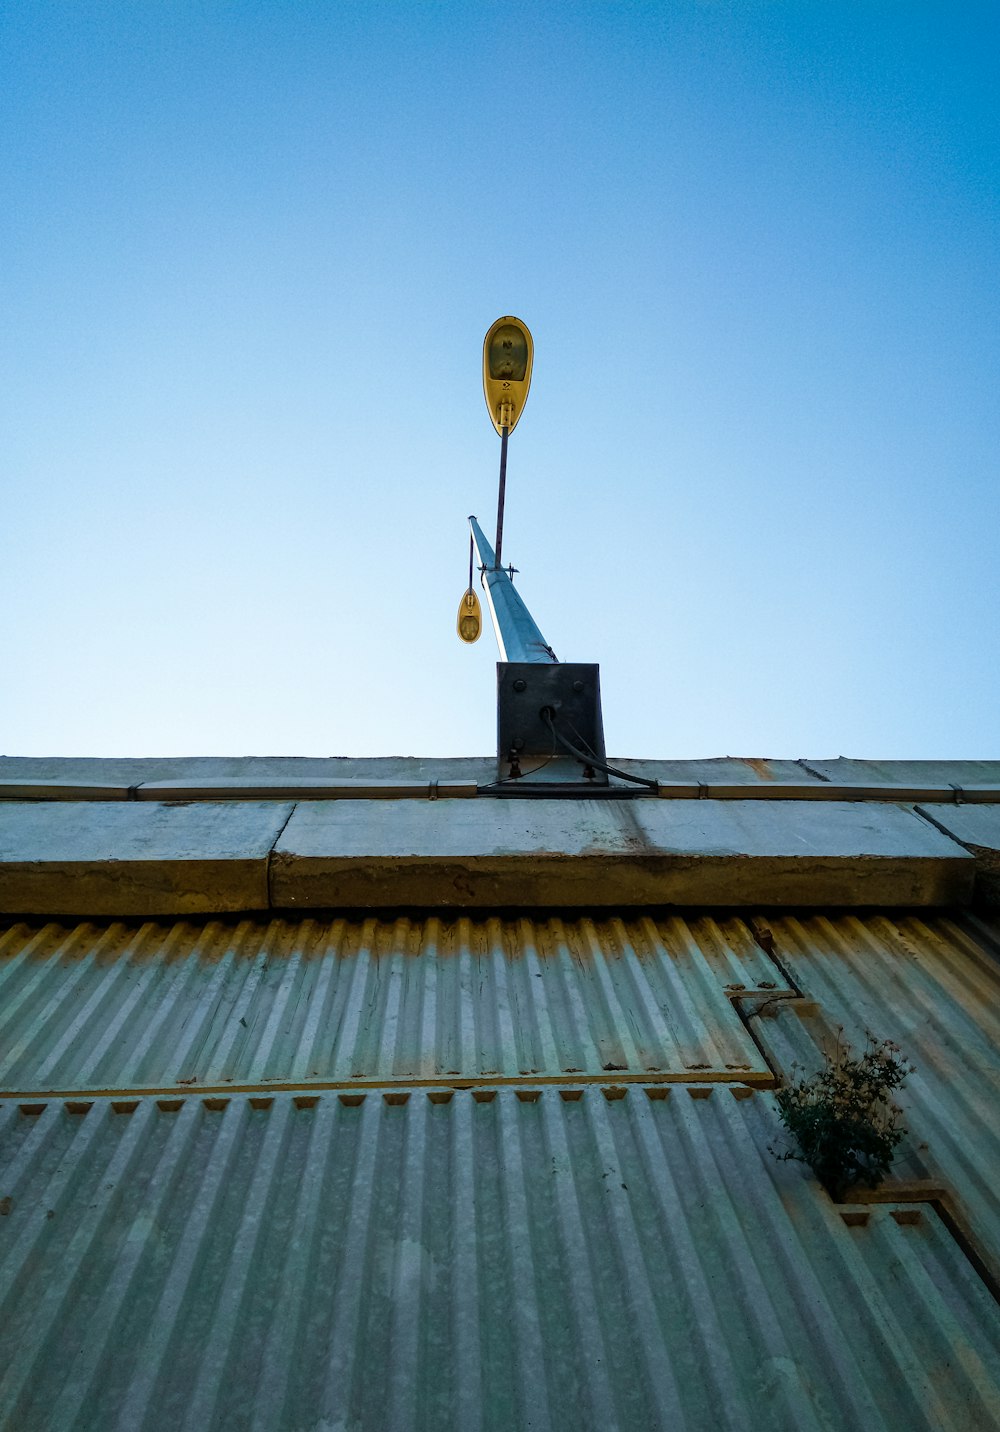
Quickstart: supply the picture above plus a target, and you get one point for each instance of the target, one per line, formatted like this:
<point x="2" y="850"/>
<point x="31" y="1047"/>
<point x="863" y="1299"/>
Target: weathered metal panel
<point x="906" y="773"/>
<point x="115" y="1006"/>
<point x="130" y="772"/>
<point x="530" y="1261"/>
<point x="933" y="987"/>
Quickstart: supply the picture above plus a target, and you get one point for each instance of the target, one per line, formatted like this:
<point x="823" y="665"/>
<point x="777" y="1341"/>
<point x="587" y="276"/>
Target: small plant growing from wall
<point x="843" y="1118"/>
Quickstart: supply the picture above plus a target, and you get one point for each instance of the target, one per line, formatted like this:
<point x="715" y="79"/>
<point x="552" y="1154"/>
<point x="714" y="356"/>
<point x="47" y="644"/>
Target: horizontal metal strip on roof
<point x="126" y="772"/>
<point x="552" y="1263"/>
<point x="239" y="788"/>
<point x="335" y="1001"/>
<point x="399" y="1089"/>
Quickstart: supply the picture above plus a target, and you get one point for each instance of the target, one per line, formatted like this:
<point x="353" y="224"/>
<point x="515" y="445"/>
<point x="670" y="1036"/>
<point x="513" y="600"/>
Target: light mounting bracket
<point x="527" y="747"/>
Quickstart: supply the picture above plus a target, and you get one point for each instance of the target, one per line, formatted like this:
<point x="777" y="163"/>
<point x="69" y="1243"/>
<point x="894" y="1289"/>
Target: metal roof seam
<point x="167" y="792"/>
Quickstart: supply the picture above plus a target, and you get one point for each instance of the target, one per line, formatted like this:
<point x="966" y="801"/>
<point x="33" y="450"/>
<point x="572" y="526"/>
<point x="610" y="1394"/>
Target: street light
<point x="470" y="614"/>
<point x="549" y="727"/>
<point x="507" y="353"/>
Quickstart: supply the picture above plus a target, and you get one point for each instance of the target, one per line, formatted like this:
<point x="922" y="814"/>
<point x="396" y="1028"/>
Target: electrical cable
<point x="507" y="780"/>
<point x="592" y="760"/>
<point x="582" y="739"/>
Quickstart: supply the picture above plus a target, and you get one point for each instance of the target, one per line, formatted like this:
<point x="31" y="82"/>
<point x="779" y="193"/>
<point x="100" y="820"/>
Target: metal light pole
<point x="517" y="633"/>
<point x="504" y="432"/>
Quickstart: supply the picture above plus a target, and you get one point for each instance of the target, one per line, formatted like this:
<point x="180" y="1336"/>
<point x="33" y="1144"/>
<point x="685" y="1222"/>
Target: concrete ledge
<point x="95" y="858"/>
<point x="143" y="858"/>
<point x="371" y="855"/>
<point x="978" y="829"/>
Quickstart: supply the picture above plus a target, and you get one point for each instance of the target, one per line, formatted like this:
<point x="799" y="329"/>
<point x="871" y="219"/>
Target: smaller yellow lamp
<point x="507" y="353"/>
<point x="470" y="617"/>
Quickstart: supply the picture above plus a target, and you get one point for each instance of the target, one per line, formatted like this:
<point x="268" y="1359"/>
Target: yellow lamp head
<point x="470" y="617"/>
<point x="507" y="353"/>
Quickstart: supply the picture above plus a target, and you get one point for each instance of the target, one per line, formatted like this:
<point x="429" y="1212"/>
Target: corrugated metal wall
<point x="933" y="987"/>
<point x="398" y="1251"/>
<point x="245" y="1002"/>
<point x="537" y="1262"/>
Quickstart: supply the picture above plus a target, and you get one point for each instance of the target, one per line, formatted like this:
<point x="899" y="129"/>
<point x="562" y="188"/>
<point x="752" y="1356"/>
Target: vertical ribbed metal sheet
<point x="933" y="987"/>
<point x="616" y="1252"/>
<point x="524" y="1260"/>
<point x="297" y="1001"/>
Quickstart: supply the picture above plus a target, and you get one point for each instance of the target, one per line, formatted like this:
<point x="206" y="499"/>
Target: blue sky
<point x="248" y="254"/>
